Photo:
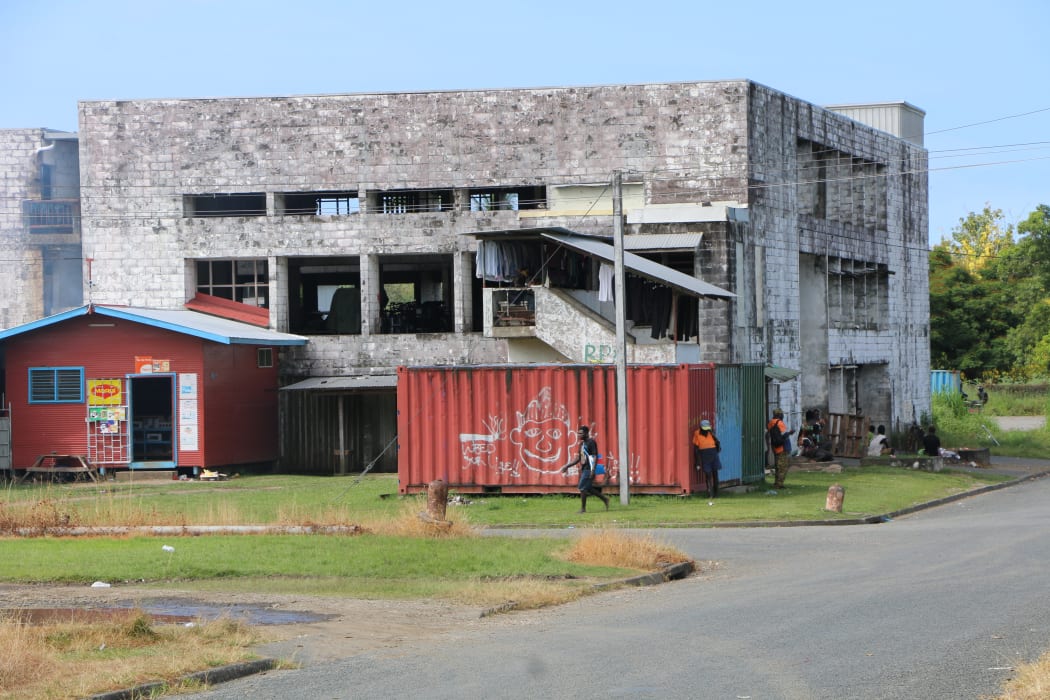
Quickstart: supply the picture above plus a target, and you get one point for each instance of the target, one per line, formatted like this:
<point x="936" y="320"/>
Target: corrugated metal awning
<point x="654" y="271"/>
<point x="781" y="374"/>
<point x="665" y="241"/>
<point x="361" y="382"/>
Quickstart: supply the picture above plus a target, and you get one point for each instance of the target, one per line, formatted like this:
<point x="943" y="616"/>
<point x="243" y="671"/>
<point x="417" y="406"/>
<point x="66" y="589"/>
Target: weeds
<point x="78" y="659"/>
<point x="614" y="548"/>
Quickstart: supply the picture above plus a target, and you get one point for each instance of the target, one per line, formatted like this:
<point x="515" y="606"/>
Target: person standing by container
<point x="707" y="447"/>
<point x="778" y="433"/>
<point x="588" y="459"/>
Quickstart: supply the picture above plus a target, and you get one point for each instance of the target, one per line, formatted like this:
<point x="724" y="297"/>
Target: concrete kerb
<point x="671" y="572"/>
<point x="221" y="674"/>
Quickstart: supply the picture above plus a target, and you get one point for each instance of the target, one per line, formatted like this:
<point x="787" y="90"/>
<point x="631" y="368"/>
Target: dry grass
<point x="606" y="547"/>
<point x="44" y="517"/>
<point x="1030" y="681"/>
<point x="76" y="659"/>
<point x="412" y="521"/>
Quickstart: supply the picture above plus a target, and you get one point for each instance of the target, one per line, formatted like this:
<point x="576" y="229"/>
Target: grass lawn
<point x="297" y="500"/>
<point x="396" y="556"/>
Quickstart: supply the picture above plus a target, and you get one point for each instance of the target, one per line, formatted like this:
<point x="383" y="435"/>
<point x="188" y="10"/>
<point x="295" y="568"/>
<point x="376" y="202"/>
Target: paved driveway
<point x="1020" y="422"/>
<point x="940" y="604"/>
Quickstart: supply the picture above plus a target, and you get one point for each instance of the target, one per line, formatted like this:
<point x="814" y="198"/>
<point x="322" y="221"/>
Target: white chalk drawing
<point x="543" y="439"/>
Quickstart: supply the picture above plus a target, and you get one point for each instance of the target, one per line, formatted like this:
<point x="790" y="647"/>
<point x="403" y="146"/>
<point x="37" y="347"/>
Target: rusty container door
<point x="510" y="429"/>
<point x="700" y="386"/>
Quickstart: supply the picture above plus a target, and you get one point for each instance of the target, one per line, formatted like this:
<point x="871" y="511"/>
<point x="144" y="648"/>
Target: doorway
<point x="151" y="403"/>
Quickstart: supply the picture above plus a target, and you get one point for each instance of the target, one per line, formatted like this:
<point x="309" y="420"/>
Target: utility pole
<point x="623" y="446"/>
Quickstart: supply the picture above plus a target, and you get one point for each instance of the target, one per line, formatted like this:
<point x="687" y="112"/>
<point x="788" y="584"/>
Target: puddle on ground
<point x="164" y="611"/>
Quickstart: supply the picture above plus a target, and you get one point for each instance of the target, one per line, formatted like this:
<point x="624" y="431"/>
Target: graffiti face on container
<point x="542" y="434"/>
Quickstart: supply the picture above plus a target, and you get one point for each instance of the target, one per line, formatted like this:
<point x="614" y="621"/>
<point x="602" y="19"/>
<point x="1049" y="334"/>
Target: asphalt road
<point x="939" y="604"/>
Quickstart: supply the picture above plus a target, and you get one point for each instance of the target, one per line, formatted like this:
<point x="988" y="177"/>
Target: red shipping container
<point x="510" y="429"/>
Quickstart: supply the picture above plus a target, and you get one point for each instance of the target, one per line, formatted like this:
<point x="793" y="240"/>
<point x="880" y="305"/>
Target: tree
<point x="980" y="238"/>
<point x="971" y="314"/>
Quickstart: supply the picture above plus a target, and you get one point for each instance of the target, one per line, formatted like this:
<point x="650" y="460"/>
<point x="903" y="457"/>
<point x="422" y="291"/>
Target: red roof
<point x="233" y="310"/>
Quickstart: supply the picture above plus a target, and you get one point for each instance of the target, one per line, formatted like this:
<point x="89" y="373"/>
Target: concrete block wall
<point x="686" y="142"/>
<point x="21" y="270"/>
<point x="689" y="140"/>
<point x="783" y="224"/>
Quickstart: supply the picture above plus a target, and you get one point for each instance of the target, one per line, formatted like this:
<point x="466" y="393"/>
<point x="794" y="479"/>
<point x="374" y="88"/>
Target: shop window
<point x="244" y="281"/>
<point x="238" y="204"/>
<point x="56" y="385"/>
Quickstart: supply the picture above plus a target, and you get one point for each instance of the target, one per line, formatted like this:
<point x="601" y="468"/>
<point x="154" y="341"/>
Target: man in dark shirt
<point x="588" y="460"/>
<point x="931" y="444"/>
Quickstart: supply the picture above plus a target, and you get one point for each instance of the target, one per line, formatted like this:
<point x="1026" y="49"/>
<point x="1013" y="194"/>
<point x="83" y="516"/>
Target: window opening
<point x="56" y="385"/>
<point x="416" y="294"/>
<point x="264" y="358"/>
<point x="507" y="199"/>
<point x="244" y="281"/>
<point x="318" y="203"/>
<point x="239" y="204"/>
<point x="324" y="295"/>
<point x="411" y="201"/>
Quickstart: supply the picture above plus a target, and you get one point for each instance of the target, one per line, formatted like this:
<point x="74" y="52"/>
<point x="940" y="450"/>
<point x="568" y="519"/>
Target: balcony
<point x="50" y="216"/>
<point x="512" y="312"/>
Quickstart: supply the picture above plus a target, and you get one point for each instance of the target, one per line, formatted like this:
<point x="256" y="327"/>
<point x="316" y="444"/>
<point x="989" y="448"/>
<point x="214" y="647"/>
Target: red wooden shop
<point x="510" y="429"/>
<point x="135" y="388"/>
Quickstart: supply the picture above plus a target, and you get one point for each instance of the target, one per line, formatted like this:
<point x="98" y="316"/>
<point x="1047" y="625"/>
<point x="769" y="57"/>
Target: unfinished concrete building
<point x="40" y="256"/>
<point x="474" y="227"/>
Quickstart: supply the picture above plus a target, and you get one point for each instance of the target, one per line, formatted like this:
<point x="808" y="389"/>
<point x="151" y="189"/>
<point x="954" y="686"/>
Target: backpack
<point x="776" y="438"/>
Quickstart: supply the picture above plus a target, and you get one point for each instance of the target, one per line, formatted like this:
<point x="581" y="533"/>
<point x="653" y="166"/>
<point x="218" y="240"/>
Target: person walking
<point x="706" y="448"/>
<point x="777" y="431"/>
<point x="588" y="459"/>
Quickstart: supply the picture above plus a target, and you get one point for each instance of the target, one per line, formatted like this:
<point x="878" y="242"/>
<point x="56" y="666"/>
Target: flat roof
<point x="352" y="383"/>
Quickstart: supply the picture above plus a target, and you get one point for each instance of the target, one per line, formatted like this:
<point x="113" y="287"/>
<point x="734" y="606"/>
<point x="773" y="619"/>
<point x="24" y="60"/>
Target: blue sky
<point x="975" y="68"/>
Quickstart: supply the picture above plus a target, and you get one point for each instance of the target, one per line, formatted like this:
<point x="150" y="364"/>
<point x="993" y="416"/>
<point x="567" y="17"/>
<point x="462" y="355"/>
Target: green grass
<point x="1016" y="400"/>
<point x="365" y="563"/>
<point x="304" y="499"/>
<point x="961" y="428"/>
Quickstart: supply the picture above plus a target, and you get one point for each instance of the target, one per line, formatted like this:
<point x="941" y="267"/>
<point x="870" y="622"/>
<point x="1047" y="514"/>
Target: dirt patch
<point x="347" y="626"/>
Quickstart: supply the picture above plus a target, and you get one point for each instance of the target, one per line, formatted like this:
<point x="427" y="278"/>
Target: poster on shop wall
<point x="188" y="413"/>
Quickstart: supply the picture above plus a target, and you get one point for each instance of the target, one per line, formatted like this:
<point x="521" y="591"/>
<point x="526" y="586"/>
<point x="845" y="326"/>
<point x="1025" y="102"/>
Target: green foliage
<point x="989" y="310"/>
<point x="980" y="238"/>
<point x="959" y="427"/>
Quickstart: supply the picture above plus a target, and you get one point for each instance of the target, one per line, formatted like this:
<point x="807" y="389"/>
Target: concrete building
<point x="356" y="220"/>
<point x="40" y="256"/>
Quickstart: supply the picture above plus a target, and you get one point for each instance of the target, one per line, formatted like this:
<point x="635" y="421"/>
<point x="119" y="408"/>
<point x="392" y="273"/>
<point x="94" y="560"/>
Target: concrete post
<point x="836" y="494"/>
<point x="437" y="500"/>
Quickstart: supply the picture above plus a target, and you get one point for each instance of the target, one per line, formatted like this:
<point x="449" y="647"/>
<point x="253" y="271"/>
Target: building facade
<point x="41" y="261"/>
<point x="356" y="220"/>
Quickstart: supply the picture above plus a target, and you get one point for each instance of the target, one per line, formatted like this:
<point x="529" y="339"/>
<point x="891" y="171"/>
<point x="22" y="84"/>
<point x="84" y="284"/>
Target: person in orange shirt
<point x="778" y="433"/>
<point x="705" y="449"/>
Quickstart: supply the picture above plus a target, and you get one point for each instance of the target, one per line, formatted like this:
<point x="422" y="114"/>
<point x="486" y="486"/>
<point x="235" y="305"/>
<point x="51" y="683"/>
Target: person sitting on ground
<point x="931" y="443"/>
<point x="880" y="444"/>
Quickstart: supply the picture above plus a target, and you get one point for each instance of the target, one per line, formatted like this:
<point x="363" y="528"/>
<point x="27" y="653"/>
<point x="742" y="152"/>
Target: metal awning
<point x="662" y="241"/>
<point x="781" y="374"/>
<point x="363" y="382"/>
<point x="679" y="281"/>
